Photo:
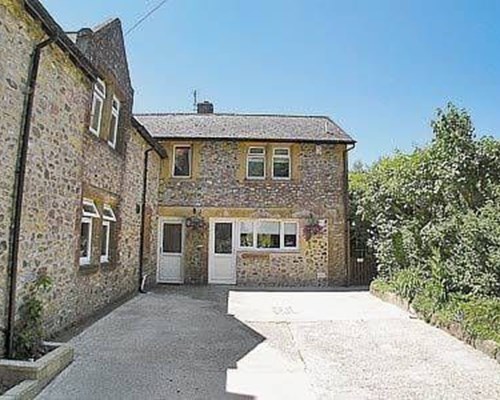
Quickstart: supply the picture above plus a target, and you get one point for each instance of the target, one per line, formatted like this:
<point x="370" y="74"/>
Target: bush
<point x="28" y="341"/>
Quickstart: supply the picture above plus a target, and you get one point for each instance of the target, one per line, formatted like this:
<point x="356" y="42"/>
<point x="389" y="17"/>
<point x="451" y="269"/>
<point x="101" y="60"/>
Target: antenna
<point x="195" y="99"/>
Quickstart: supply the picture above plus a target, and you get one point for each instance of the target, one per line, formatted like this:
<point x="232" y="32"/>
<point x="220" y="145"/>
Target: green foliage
<point x="407" y="283"/>
<point x="481" y="318"/>
<point x="29" y="330"/>
<point x="435" y="210"/>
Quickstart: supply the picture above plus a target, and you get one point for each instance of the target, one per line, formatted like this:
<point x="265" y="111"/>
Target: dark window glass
<point x="182" y="165"/>
<point x="223" y="238"/>
<point x="104" y="240"/>
<point x="281" y="168"/>
<point x="84" y="239"/>
<point x="172" y="238"/>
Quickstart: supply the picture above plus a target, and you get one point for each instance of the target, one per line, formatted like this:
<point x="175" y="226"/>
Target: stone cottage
<point x="251" y="199"/>
<point x="79" y="175"/>
<point x="97" y="199"/>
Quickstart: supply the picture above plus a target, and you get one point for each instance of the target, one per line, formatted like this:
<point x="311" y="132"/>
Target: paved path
<point x="219" y="343"/>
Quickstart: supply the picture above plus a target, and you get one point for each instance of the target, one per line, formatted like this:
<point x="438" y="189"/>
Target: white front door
<point x="171" y="248"/>
<point x="222" y="260"/>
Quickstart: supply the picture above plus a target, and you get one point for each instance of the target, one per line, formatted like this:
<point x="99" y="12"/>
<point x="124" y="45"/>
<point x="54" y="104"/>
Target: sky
<point x="379" y="68"/>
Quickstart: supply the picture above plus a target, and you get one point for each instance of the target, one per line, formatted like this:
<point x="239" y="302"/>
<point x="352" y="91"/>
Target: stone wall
<point x="219" y="188"/>
<point x="13" y="73"/>
<point x="66" y="163"/>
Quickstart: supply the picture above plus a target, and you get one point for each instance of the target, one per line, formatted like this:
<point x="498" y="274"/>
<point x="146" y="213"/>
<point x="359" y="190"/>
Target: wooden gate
<point x="363" y="267"/>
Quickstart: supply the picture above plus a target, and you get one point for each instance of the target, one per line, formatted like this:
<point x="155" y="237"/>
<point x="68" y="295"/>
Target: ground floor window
<point x="268" y="234"/>
<point x="89" y="211"/>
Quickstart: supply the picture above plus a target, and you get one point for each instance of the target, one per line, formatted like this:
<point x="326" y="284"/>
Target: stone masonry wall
<point x="218" y="184"/>
<point x="65" y="163"/>
<point x="13" y="72"/>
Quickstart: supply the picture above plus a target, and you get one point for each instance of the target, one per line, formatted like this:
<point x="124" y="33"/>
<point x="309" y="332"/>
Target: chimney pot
<point x="205" y="108"/>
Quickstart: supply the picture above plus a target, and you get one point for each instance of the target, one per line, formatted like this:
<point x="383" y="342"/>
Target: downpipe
<point x="20" y="175"/>
<point x="347" y="235"/>
<point x="143" y="277"/>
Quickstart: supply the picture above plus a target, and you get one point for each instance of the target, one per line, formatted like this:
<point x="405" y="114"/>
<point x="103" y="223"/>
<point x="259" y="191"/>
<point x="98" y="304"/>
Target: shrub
<point x="30" y="333"/>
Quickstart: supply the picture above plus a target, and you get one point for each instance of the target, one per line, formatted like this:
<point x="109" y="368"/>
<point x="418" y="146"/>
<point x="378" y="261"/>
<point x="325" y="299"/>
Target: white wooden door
<point x="222" y="260"/>
<point x="171" y="251"/>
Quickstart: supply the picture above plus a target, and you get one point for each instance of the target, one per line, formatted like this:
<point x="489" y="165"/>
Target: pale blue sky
<point x="379" y="68"/>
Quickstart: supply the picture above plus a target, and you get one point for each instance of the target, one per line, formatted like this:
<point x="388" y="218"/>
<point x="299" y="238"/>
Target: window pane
<point x="172" y="238"/>
<point x="224" y="238"/>
<point x="281" y="168"/>
<point x="85" y="240"/>
<point x="290" y="234"/>
<point x="281" y="152"/>
<point x="246" y="234"/>
<point x="256" y="168"/>
<point x="96" y="116"/>
<point x="256" y="150"/>
<point x="113" y="126"/>
<point x="182" y="167"/>
<point x="268" y="235"/>
<point x="104" y="240"/>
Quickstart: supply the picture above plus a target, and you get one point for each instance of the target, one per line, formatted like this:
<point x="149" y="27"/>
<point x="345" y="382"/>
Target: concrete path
<point x="232" y="343"/>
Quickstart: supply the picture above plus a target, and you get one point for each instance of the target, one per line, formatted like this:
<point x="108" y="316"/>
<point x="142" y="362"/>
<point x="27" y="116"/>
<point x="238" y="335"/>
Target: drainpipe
<point x="142" y="277"/>
<point x="347" y="244"/>
<point x="19" y="190"/>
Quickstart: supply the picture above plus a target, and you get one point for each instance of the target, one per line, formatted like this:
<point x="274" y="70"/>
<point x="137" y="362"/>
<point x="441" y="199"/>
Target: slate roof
<point x="292" y="128"/>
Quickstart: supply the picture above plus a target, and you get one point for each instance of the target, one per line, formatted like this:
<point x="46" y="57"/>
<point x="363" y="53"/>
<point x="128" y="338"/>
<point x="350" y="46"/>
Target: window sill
<point x="253" y="252"/>
<point x="87" y="269"/>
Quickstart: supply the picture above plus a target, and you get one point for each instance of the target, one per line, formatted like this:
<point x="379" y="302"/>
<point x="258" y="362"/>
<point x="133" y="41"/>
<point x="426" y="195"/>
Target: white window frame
<point x="282" y="157"/>
<point x="100" y="93"/>
<point x="190" y="160"/>
<point x="115" y="112"/>
<point x="92" y="214"/>
<point x="256" y="223"/>
<point x="105" y="257"/>
<point x="109" y="209"/>
<point x="255" y="157"/>
<point x="86" y="260"/>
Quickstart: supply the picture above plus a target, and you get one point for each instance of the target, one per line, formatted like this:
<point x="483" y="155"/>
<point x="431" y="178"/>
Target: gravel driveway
<point x="185" y="342"/>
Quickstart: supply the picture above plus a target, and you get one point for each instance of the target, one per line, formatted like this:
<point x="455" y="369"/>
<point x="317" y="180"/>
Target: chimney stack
<point x="205" y="108"/>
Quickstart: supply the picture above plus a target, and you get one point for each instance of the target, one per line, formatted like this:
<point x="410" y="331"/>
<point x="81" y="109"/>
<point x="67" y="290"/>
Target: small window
<point x="182" y="162"/>
<point x="105" y="240"/>
<point x="256" y="163"/>
<point x="113" y="126"/>
<point x="172" y="238"/>
<point x="89" y="209"/>
<point x="268" y="235"/>
<point x="246" y="234"/>
<point x="281" y="163"/>
<point x="108" y="214"/>
<point x="85" y="240"/>
<point x="97" y="105"/>
<point x="290" y="230"/>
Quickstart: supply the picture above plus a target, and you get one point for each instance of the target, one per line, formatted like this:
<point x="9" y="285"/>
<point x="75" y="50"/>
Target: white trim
<point x="115" y="112"/>
<point x="101" y="95"/>
<point x="109" y="209"/>
<point x="282" y="157"/>
<point x="256" y="157"/>
<point x="86" y="260"/>
<point x="190" y="157"/>
<point x="211" y="250"/>
<point x="105" y="257"/>
<point x="159" y="250"/>
<point x="92" y="214"/>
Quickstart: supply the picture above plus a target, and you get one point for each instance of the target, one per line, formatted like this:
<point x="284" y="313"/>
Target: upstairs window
<point x="182" y="162"/>
<point x="97" y="106"/>
<point x="113" y="125"/>
<point x="281" y="163"/>
<point x="256" y="163"/>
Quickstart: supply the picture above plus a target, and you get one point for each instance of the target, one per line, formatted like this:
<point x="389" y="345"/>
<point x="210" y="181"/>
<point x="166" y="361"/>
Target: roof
<point x="148" y="138"/>
<point x="293" y="128"/>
